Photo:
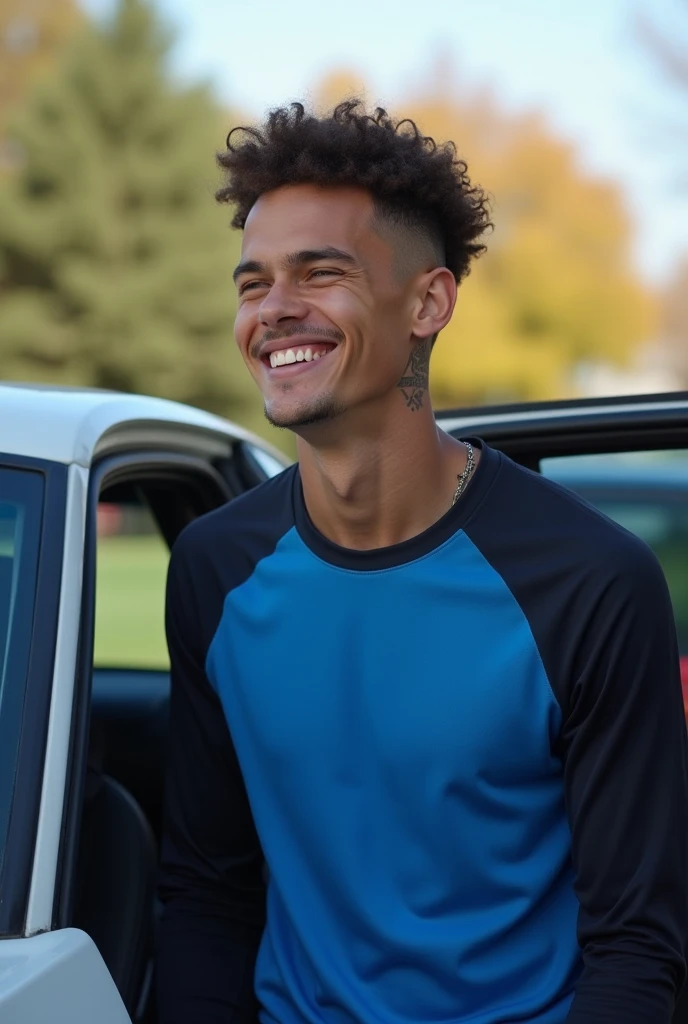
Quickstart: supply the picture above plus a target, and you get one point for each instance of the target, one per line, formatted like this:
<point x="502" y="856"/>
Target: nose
<point x="282" y="302"/>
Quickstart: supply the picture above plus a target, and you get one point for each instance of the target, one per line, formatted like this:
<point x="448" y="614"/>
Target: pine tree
<point x="115" y="262"/>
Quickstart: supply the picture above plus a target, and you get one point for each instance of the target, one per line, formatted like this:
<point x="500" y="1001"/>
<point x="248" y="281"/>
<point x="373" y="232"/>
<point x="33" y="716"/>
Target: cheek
<point x="385" y="351"/>
<point x="343" y="307"/>
<point x="244" y="325"/>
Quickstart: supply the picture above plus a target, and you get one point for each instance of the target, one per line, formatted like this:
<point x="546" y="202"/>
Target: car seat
<point x="115" y="885"/>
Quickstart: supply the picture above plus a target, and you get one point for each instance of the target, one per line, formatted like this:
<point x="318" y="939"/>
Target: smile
<point x="298" y="354"/>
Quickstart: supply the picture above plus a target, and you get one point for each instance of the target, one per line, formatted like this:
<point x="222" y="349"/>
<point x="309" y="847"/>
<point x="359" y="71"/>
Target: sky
<point x="582" y="63"/>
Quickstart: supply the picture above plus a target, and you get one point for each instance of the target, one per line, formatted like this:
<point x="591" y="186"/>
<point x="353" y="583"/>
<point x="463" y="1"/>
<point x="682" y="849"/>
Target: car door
<point x="90" y="890"/>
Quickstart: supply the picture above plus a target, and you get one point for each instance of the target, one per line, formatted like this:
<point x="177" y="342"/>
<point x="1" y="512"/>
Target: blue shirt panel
<point x="394" y="730"/>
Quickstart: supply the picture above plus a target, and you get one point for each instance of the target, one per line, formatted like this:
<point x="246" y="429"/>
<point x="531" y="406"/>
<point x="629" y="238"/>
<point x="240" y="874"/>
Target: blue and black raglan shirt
<point x="460" y="762"/>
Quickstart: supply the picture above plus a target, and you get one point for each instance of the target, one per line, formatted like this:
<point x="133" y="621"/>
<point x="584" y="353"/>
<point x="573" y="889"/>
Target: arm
<point x="211" y="863"/>
<point x="626" y="776"/>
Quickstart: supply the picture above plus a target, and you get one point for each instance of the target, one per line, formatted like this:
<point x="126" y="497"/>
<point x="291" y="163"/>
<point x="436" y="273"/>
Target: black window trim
<point x="529" y="441"/>
<point x="126" y="467"/>
<point x="17" y="866"/>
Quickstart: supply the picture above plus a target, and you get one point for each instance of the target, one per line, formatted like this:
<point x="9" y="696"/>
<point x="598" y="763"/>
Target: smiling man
<point x="427" y="753"/>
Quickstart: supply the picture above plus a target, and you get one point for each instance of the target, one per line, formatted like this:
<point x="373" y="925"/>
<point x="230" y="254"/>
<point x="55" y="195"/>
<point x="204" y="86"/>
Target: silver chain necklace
<point x="465" y="476"/>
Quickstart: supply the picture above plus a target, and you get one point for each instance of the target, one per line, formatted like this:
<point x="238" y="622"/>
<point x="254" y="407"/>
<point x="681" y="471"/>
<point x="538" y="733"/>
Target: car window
<point x="131" y="571"/>
<point x="647" y="493"/>
<point x="21" y="501"/>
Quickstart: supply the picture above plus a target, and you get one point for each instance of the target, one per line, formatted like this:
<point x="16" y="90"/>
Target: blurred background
<point x="115" y="263"/>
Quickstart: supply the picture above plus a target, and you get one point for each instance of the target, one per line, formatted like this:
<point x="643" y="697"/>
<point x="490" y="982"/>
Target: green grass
<point x="130" y="600"/>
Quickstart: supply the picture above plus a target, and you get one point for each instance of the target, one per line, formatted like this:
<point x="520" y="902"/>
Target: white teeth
<point x="281" y="357"/>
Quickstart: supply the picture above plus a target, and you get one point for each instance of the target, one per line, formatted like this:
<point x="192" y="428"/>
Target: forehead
<point x="307" y="217"/>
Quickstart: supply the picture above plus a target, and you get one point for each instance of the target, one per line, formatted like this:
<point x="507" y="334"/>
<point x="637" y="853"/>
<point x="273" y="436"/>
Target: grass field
<point x="130" y="599"/>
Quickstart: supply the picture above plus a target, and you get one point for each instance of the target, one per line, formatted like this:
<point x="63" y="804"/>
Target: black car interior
<point x="115" y="895"/>
<point x="121" y="821"/>
<point x="121" y="826"/>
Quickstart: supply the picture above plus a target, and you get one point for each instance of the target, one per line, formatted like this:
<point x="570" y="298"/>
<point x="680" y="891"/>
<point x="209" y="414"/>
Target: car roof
<point x="76" y="425"/>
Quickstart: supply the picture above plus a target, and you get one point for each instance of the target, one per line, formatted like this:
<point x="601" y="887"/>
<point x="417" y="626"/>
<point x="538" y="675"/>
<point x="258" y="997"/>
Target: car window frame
<point x="17" y="864"/>
<point x="212" y="490"/>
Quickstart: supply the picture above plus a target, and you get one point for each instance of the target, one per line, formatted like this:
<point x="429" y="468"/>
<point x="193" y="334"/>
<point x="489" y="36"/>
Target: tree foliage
<point x="31" y="36"/>
<point x="115" y="263"/>
<point x="675" y="322"/>
<point x="556" y="288"/>
<point x="670" y="52"/>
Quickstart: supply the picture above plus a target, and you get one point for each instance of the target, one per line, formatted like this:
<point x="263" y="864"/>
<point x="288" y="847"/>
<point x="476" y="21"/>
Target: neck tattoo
<point x="464" y="477"/>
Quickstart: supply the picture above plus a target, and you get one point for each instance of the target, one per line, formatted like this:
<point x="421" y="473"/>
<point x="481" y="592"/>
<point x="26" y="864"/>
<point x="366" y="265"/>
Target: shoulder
<point x="580" y="579"/>
<point x="228" y="542"/>
<point x="527" y="520"/>
<point x="588" y="589"/>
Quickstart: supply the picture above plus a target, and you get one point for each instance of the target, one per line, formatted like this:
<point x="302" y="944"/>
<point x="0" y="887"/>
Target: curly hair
<point x="412" y="180"/>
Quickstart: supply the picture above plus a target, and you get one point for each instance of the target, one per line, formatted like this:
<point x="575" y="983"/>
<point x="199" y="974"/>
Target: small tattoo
<point x="414" y="383"/>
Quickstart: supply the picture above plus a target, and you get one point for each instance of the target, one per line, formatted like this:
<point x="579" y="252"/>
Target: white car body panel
<point x="72" y="426"/>
<point x="40" y="907"/>
<point x="57" y="978"/>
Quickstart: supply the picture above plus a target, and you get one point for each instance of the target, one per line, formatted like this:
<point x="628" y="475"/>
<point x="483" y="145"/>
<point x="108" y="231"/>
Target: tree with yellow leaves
<point x="556" y="287"/>
<point x="32" y="35"/>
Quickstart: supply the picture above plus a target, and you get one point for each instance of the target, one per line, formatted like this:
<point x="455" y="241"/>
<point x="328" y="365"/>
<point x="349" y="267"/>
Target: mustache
<point x="329" y="333"/>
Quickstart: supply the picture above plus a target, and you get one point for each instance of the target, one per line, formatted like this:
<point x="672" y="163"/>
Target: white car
<point x="84" y="687"/>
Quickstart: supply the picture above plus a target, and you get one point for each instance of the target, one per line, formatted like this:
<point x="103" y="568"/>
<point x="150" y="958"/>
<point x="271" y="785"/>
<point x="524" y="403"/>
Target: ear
<point x="436" y="298"/>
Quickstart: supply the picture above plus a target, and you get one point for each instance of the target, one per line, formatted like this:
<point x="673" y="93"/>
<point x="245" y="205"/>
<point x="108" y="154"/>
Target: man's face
<point x="324" y="320"/>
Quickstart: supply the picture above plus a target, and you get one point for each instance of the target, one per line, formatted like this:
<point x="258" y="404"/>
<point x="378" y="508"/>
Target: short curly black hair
<point x="411" y="179"/>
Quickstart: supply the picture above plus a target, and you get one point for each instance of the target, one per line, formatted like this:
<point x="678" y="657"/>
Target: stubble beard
<point x="322" y="408"/>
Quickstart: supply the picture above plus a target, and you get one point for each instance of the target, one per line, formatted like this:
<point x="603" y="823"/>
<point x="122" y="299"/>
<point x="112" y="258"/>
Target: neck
<point x="373" y="484"/>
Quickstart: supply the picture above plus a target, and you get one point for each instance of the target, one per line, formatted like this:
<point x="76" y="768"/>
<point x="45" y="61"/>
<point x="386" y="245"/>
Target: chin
<point x="302" y="414"/>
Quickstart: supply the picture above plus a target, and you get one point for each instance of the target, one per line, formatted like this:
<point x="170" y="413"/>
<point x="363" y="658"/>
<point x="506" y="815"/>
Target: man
<point x="431" y="696"/>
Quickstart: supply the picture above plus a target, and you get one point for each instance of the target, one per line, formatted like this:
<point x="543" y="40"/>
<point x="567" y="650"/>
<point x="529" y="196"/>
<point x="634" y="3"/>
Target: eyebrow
<point x="297" y="259"/>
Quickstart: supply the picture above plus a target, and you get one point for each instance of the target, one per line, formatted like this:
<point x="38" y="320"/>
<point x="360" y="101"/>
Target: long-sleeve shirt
<point x="441" y="781"/>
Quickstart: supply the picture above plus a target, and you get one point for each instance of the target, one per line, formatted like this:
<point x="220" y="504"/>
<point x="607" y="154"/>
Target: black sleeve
<point x="626" y="777"/>
<point x="211" y="881"/>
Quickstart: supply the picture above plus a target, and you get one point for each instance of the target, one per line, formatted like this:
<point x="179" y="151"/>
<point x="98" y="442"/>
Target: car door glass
<point x="131" y="572"/>
<point x="21" y="501"/>
<point x="647" y="493"/>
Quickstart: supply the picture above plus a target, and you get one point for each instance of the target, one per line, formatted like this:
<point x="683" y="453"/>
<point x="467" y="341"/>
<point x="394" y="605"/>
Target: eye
<point x="327" y="271"/>
<point x="251" y="286"/>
